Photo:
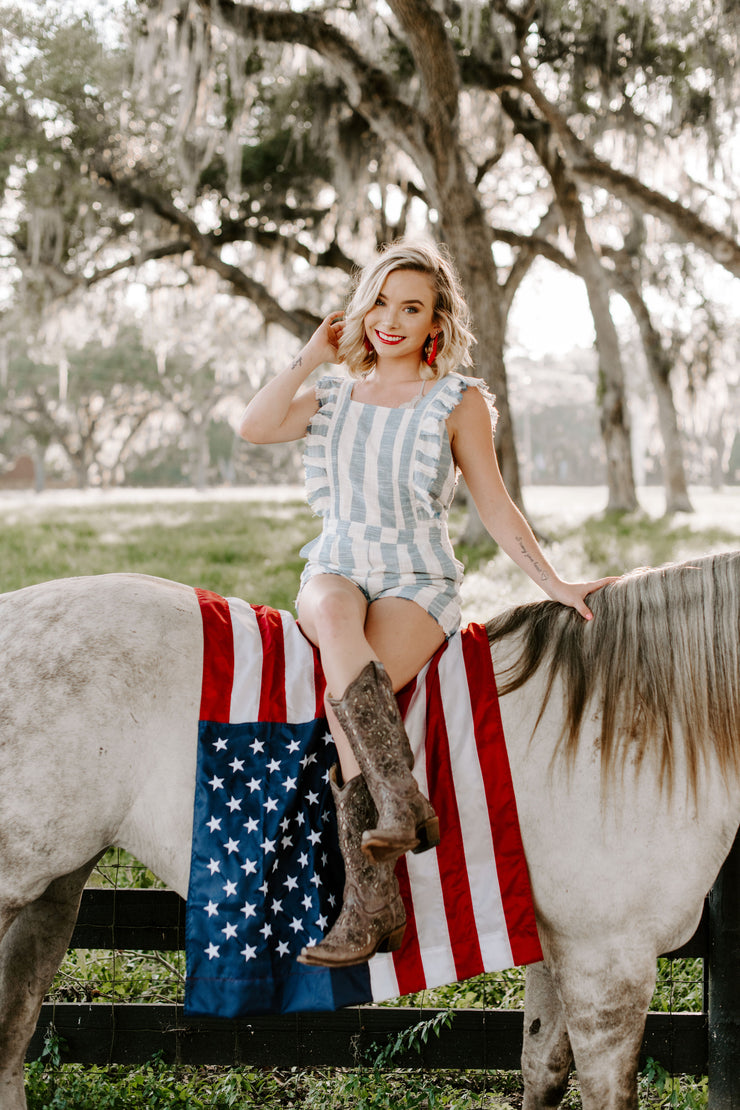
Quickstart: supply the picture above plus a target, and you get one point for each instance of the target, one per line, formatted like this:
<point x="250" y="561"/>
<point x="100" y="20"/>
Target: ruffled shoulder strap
<point x="448" y="395"/>
<point x="327" y="389"/>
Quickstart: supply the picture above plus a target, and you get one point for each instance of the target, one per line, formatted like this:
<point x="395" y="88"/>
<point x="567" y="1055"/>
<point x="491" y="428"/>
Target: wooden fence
<point x="145" y="920"/>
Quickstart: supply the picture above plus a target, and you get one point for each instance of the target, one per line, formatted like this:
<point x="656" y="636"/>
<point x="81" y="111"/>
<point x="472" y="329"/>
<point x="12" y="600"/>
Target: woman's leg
<point x="332" y="613"/>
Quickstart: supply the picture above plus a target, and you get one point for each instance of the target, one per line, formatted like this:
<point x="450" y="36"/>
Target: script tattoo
<point x="297" y="361"/>
<point x="542" y="573"/>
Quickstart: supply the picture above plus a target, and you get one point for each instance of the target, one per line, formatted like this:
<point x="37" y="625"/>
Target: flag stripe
<point x="272" y="694"/>
<point x="218" y="657"/>
<point x="511" y="866"/>
<point x="478" y="836"/>
<point x="458" y="901"/>
<point x="246" y="678"/>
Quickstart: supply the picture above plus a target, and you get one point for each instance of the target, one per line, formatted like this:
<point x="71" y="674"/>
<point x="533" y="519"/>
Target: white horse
<point x="623" y="740"/>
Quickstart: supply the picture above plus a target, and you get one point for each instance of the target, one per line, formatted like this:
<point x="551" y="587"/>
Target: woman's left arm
<point x="471" y="439"/>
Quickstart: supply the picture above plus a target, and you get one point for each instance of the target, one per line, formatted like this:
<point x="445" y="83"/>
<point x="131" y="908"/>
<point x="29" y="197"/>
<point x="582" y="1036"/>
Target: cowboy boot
<point x="368" y="713"/>
<point x="372" y="918"/>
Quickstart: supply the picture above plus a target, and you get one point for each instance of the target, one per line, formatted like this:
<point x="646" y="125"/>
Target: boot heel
<point x="393" y="941"/>
<point x="428" y="834"/>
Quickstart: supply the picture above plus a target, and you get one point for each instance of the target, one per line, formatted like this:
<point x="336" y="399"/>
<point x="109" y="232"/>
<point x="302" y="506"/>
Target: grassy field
<point x="247" y="545"/>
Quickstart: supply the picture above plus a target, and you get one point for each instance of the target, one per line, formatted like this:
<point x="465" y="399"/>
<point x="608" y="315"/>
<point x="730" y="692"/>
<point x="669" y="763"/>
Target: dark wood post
<point x="724" y="985"/>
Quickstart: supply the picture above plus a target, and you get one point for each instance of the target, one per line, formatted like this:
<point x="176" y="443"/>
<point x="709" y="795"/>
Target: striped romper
<point x="383" y="481"/>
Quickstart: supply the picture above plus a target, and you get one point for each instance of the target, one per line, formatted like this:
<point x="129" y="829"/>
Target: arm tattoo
<point x="297" y="361"/>
<point x="537" y="566"/>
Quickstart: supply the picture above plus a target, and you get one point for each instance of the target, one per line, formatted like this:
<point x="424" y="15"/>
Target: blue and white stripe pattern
<point x="383" y="480"/>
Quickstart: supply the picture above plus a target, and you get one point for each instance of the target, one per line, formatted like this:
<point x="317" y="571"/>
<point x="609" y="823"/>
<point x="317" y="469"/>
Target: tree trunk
<point x="611" y="394"/>
<point x="659" y="368"/>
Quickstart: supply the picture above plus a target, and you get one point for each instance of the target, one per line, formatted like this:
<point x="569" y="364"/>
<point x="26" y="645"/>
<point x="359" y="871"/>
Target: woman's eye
<point x="411" y="308"/>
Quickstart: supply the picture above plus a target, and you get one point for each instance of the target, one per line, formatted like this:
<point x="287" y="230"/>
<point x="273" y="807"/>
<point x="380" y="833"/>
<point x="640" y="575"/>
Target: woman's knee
<point x="332" y="605"/>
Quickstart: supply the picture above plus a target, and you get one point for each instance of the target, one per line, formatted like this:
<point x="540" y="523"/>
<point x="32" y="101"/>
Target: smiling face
<point x="402" y="317"/>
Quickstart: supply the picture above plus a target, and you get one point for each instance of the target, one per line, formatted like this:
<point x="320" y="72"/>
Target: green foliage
<point x="658" y="1088"/>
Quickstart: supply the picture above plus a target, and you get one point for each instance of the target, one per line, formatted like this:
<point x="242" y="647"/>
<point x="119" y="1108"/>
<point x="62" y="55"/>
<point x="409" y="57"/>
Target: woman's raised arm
<point x="279" y="413"/>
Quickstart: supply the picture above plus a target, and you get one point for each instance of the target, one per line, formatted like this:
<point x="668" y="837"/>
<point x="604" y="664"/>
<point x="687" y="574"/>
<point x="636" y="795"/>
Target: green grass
<point x="240" y="550"/>
<point x="251" y="551"/>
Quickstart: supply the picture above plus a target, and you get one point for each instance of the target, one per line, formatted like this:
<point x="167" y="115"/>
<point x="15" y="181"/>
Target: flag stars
<point x="266" y="931"/>
<point x="283" y="948"/>
<point x="249" y="953"/>
<point x="307" y="901"/>
<point x="234" y="803"/>
<point x="314" y="837"/>
<point x="277" y="906"/>
<point x="273" y="765"/>
<point x="309" y="758"/>
<point x="322" y="921"/>
<point x="212" y="952"/>
<point x="213" y="866"/>
<point x="270" y="804"/>
<point x="249" y="867"/>
<point x="303" y="859"/>
<point x="286" y="842"/>
<point x="231" y="845"/>
<point x="316" y="881"/>
<point x="312" y="798"/>
<point x="211" y="909"/>
<point x="216" y="783"/>
<point x="251" y="825"/>
<point x="257" y="746"/>
<point x="296" y="925"/>
<point x="294" y="747"/>
<point x="249" y="910"/>
<point x="214" y="824"/>
<point x="254" y="784"/>
<point x="229" y="931"/>
<point x="267" y="846"/>
<point x="237" y="765"/>
<point x="291" y="882"/>
<point x="220" y="744"/>
<point x="229" y="888"/>
<point x="290" y="784"/>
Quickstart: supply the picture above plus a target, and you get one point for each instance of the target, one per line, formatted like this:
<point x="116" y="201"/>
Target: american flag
<point x="266" y="874"/>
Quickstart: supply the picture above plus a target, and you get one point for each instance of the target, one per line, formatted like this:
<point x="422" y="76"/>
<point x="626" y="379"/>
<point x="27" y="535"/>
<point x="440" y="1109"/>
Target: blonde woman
<point x="380" y="590"/>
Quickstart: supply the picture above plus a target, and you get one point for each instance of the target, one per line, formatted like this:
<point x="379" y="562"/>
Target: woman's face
<point x="402" y="317"/>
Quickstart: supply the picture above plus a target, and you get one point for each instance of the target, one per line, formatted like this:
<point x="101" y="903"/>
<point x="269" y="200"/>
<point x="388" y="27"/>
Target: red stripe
<point x="511" y="865"/>
<point x="272" y="695"/>
<point x="453" y="874"/>
<point x="218" y="657"/>
<point x="407" y="960"/>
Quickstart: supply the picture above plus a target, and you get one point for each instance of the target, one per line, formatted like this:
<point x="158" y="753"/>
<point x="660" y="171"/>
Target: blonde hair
<point x="451" y="313"/>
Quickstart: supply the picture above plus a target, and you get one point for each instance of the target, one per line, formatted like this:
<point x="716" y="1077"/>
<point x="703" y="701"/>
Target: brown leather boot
<point x="372" y="918"/>
<point x="368" y="712"/>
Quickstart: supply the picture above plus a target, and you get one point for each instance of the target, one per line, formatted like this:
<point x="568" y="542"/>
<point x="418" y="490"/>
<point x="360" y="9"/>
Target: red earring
<point x="430" y="349"/>
<point x="368" y="345"/>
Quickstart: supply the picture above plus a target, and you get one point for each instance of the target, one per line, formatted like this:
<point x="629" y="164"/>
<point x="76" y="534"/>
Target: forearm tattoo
<point x="543" y="575"/>
<point x="297" y="361"/>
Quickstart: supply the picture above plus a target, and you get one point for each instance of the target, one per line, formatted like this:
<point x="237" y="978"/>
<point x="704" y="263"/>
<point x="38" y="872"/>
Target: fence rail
<point x="148" y="920"/>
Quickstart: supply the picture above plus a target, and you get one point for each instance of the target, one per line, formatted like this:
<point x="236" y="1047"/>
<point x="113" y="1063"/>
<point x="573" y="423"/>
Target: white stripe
<point x="245" y="693"/>
<point x="300" y="693"/>
<point x="480" y="859"/>
<point x="424" y="878"/>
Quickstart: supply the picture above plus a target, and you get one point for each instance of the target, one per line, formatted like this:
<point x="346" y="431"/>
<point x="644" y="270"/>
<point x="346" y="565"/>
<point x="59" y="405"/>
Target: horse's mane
<point x="662" y="651"/>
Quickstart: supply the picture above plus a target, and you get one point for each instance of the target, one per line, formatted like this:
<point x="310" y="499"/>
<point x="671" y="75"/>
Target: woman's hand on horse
<point x="574" y="593"/>
<point x="324" y="343"/>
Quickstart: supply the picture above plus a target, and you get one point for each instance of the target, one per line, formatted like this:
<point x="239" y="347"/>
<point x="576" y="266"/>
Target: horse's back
<point x="98" y="698"/>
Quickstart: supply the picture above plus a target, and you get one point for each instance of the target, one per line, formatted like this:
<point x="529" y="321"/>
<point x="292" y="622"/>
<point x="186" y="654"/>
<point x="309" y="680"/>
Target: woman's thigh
<point x="403" y="636"/>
